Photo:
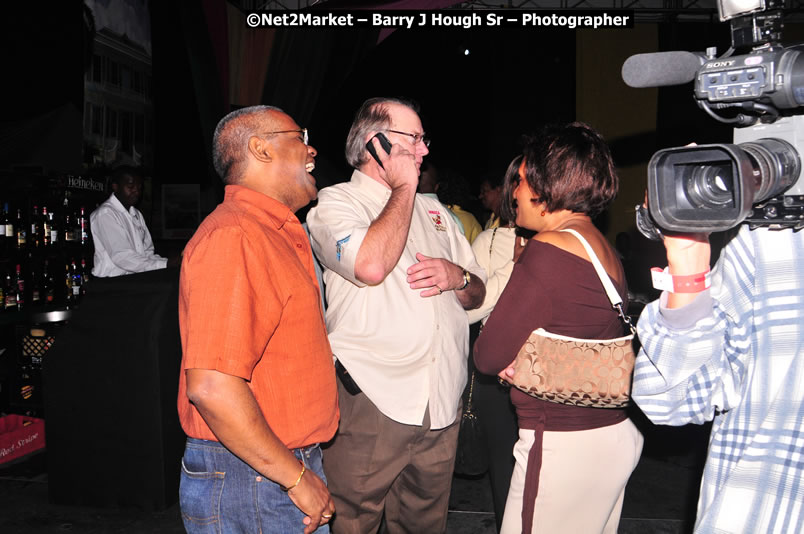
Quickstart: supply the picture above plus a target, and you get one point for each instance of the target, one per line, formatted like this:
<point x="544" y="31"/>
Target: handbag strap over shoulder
<point x="611" y="291"/>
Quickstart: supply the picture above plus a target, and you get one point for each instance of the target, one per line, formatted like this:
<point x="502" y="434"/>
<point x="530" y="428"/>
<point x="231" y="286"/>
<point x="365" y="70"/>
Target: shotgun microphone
<point x="661" y="68"/>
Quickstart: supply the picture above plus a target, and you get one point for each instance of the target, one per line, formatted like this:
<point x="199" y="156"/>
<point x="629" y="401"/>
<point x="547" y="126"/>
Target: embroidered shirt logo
<point x="339" y="246"/>
<point x="436" y="217"/>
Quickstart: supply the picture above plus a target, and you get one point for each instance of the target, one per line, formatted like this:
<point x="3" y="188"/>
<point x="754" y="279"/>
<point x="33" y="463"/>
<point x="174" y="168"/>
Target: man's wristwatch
<point x="466" y="279"/>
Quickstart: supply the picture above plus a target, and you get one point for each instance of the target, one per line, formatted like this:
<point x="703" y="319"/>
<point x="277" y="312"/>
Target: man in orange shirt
<point x="257" y="389"/>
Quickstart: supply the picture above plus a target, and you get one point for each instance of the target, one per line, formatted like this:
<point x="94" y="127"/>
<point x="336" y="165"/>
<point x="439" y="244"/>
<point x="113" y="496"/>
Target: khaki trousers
<point x="376" y="465"/>
<point x="582" y="481"/>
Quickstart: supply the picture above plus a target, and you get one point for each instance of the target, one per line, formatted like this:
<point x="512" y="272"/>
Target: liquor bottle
<point x="57" y="230"/>
<point x="34" y="284"/>
<point x="19" y="284"/>
<point x="54" y="227"/>
<point x="10" y="291"/>
<point x="69" y="223"/>
<point x="77" y="281"/>
<point x="48" y="285"/>
<point x="3" y="222"/>
<point x="46" y="229"/>
<point x="68" y="285"/>
<point x="83" y="224"/>
<point x="21" y="234"/>
<point x="84" y="276"/>
<point x="36" y="229"/>
<point x="11" y="236"/>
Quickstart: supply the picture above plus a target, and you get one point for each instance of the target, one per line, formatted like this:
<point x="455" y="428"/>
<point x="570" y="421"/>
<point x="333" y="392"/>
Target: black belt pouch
<point x="346" y="379"/>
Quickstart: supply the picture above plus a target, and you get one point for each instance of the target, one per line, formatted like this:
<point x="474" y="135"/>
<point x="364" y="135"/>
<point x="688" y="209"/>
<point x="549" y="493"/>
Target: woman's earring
<point x="543" y="213"/>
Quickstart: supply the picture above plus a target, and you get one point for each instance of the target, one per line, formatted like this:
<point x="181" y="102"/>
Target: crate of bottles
<point x="33" y="343"/>
<point x="19" y="436"/>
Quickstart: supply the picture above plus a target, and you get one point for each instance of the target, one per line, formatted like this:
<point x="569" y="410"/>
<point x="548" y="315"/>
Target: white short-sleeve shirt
<point x="403" y="350"/>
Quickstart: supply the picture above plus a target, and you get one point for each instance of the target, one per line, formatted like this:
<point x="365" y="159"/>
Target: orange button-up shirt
<point x="249" y="306"/>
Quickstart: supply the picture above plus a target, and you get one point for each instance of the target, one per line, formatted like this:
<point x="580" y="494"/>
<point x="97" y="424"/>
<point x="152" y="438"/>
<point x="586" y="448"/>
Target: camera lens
<point x="710" y="186"/>
<point x="714" y="187"/>
<point x="775" y="166"/>
<point x="700" y="188"/>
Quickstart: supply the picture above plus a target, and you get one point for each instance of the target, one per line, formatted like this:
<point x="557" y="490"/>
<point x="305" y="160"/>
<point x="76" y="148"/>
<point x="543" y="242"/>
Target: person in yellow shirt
<point x="453" y="191"/>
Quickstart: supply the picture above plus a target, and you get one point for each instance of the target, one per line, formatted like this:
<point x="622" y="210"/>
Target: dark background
<point x="474" y="107"/>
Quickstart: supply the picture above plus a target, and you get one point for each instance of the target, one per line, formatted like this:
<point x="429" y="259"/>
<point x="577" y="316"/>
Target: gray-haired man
<point x="399" y="277"/>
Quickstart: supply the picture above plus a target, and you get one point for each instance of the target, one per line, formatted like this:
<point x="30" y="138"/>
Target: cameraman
<point x="733" y="353"/>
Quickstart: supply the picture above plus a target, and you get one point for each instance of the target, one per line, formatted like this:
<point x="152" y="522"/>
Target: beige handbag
<point x="595" y="373"/>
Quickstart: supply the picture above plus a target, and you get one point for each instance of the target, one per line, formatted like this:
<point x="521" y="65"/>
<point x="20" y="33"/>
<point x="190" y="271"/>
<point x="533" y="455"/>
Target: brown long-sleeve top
<point x="560" y="292"/>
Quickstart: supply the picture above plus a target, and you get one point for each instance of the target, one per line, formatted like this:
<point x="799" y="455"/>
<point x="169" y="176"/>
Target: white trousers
<point x="582" y="480"/>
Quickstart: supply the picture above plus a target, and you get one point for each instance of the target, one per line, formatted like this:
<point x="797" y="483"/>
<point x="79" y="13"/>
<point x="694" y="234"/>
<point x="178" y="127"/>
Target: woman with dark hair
<point x="572" y="463"/>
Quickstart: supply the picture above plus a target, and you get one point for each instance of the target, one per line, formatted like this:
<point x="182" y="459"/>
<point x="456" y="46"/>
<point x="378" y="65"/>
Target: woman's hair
<point x="569" y="167"/>
<point x="510" y="180"/>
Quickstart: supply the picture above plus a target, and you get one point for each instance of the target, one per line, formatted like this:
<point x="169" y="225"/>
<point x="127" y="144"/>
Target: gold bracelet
<point x="297" y="480"/>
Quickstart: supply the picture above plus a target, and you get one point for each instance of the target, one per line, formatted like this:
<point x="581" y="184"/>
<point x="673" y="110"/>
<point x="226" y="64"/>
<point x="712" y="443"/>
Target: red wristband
<point x="674" y="283"/>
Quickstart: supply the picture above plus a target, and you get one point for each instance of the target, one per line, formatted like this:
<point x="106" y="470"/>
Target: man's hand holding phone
<point x="384" y="143"/>
<point x="397" y="166"/>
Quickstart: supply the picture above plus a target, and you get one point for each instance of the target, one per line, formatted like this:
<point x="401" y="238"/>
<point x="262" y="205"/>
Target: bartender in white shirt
<point x="123" y="243"/>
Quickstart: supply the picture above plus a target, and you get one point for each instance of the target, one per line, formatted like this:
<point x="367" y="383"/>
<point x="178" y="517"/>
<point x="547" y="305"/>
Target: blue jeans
<point x="221" y="494"/>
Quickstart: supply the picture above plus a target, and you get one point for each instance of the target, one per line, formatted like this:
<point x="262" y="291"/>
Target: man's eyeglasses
<point x="303" y="131"/>
<point x="417" y="138"/>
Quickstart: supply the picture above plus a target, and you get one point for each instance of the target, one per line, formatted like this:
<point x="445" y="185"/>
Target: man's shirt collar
<point x="116" y="204"/>
<point x="370" y="186"/>
<point x="277" y="212"/>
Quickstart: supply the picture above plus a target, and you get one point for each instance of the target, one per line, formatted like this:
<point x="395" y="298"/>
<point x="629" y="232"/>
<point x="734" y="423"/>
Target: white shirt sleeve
<point x="337" y="230"/>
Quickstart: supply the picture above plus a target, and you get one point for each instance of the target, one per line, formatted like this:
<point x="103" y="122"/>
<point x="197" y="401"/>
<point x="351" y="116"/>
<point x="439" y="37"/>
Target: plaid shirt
<point x="736" y="356"/>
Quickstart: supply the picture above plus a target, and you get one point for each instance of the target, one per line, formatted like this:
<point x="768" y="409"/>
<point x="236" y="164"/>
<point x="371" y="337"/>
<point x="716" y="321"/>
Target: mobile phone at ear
<point x="384" y="143"/>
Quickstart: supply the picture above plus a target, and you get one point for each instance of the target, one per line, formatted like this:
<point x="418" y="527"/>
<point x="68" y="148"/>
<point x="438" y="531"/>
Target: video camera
<point x="758" y="178"/>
